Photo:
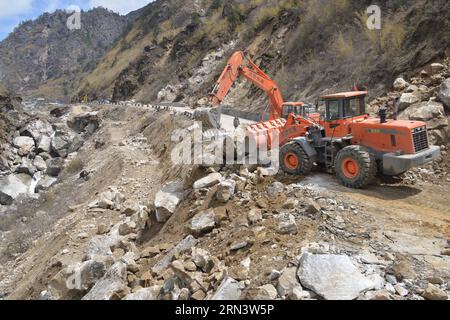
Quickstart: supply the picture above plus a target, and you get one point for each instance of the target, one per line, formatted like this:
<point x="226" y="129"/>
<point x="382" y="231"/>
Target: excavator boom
<point x="239" y="65"/>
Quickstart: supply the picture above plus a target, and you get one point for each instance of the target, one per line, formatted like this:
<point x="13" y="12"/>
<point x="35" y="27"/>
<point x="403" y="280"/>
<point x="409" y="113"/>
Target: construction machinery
<point x="287" y="120"/>
<point x="344" y="139"/>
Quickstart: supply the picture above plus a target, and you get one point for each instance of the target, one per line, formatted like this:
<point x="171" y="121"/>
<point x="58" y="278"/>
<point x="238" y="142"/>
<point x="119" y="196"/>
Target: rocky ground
<point x="99" y="212"/>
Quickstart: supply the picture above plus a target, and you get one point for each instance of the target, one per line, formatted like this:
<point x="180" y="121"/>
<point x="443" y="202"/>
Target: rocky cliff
<point x="46" y="58"/>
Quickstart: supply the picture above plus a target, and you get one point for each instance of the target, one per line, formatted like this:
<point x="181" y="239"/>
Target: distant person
<point x="236" y="123"/>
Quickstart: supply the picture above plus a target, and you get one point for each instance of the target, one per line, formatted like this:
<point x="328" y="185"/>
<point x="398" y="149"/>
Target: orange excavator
<point x="345" y="140"/>
<point x="288" y="120"/>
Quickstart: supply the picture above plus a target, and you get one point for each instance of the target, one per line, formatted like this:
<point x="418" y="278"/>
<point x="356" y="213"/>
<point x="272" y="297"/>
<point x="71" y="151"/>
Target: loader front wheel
<point x="355" y="167"/>
<point x="294" y="160"/>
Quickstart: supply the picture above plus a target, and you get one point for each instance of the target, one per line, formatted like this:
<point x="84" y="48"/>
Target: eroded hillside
<point x="308" y="47"/>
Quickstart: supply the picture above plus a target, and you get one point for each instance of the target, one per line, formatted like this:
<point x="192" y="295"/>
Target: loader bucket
<point x="210" y="117"/>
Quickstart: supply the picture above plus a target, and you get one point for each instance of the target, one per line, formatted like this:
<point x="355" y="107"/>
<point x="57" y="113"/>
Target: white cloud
<point x="10" y="8"/>
<point x="120" y="6"/>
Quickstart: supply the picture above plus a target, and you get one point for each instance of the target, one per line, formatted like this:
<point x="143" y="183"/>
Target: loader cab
<point x="341" y="109"/>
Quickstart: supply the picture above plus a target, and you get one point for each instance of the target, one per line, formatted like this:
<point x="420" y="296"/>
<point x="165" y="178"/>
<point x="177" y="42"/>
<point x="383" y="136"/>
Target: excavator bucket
<point x="209" y="117"/>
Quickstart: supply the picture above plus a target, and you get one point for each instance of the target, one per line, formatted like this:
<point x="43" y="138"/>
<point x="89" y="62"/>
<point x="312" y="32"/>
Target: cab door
<point x="334" y="119"/>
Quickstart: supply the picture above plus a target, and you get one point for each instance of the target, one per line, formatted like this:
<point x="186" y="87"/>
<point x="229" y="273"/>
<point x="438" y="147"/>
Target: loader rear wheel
<point x="355" y="167"/>
<point x="294" y="160"/>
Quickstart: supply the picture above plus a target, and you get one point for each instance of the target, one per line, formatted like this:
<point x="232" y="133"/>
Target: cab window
<point x="351" y="108"/>
<point x="333" y="110"/>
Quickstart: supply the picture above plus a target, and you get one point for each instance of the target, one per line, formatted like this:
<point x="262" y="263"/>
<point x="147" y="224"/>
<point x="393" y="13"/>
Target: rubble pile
<point x="39" y="150"/>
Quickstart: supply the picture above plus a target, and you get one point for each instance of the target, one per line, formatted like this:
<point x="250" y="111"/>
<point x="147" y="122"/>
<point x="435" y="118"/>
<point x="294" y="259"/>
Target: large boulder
<point x="226" y="190"/>
<point x="151" y="293"/>
<point x="45" y="183"/>
<point x="167" y="200"/>
<point x="185" y="244"/>
<point x="64" y="143"/>
<point x="430" y="112"/>
<point x="333" y="277"/>
<point x="288" y="282"/>
<point x="87" y="122"/>
<point x="110" y="285"/>
<point x="24" y="144"/>
<point x="44" y="144"/>
<point x="26" y="166"/>
<point x="203" y="222"/>
<point x="10" y="188"/>
<point x="208" y="181"/>
<point x="444" y="94"/>
<point x="228" y="290"/>
<point x="37" y="129"/>
<point x="408" y="99"/>
<point x="55" y="166"/>
<point x="400" y="84"/>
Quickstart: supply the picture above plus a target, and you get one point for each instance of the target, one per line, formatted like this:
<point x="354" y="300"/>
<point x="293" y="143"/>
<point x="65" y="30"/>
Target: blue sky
<point x="12" y="12"/>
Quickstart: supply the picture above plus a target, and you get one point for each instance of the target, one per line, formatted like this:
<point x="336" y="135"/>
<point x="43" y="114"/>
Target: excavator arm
<point x="240" y="65"/>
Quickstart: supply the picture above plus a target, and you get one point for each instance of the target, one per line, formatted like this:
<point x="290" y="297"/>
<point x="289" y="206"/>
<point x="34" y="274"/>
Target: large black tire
<point x="294" y="160"/>
<point x="355" y="167"/>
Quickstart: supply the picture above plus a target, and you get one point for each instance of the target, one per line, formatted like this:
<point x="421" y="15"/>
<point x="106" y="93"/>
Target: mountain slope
<point x="308" y="47"/>
<point x="46" y="57"/>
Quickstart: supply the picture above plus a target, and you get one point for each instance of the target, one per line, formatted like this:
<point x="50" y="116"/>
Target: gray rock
<point x="40" y="163"/>
<point x="101" y="245"/>
<point x="208" y="181"/>
<point x="228" y="290"/>
<point x="45" y="183"/>
<point x="254" y="216"/>
<point x="432" y="292"/>
<point x="287" y="224"/>
<point x="444" y="94"/>
<point x="127" y="227"/>
<point x="55" y="166"/>
<point x="400" y="84"/>
<point x="93" y="270"/>
<point x="111" y="199"/>
<point x="145" y="294"/>
<point x="26" y="166"/>
<point x="391" y="279"/>
<point x="63" y="143"/>
<point x="109" y="286"/>
<point x="288" y="282"/>
<point x="26" y="144"/>
<point x="333" y="277"/>
<point x="37" y="129"/>
<point x="87" y="122"/>
<point x="431" y="112"/>
<point x="436" y="67"/>
<point x="203" y="222"/>
<point x="44" y="144"/>
<point x="275" y="189"/>
<point x="407" y="99"/>
<point x="10" y="188"/>
<point x="401" y="290"/>
<point x="226" y="190"/>
<point x="167" y="200"/>
<point x="186" y="244"/>
<point x="266" y="292"/>
<point x="4" y="165"/>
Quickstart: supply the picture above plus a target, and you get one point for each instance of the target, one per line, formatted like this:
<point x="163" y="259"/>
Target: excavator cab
<point x="299" y="109"/>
